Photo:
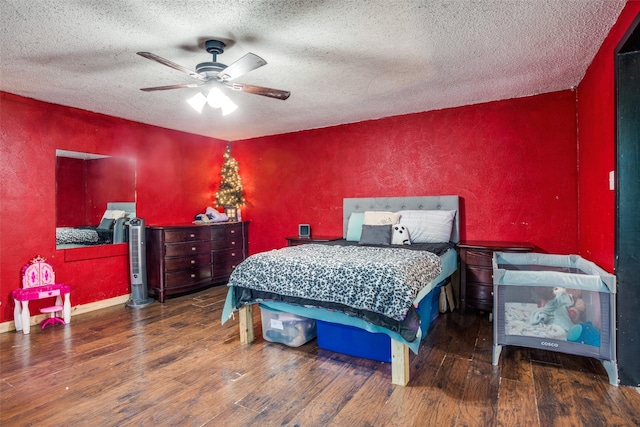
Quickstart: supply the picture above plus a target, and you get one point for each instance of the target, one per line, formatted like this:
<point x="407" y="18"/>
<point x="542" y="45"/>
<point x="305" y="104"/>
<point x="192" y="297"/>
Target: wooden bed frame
<point x="399" y="351"/>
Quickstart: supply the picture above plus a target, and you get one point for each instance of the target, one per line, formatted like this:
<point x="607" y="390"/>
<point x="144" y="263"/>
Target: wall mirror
<point x="87" y="185"/>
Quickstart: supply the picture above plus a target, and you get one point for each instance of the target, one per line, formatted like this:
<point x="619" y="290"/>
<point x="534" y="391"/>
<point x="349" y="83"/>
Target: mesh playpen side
<point x="561" y="303"/>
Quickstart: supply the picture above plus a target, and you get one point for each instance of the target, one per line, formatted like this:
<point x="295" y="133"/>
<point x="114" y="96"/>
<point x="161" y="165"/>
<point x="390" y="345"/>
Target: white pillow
<point x="113" y="214"/>
<point x="428" y="226"/>
<point x="380" y="218"/>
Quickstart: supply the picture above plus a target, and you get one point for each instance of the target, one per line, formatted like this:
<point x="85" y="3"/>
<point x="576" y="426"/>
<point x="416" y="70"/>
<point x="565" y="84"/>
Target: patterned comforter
<point x="83" y="236"/>
<point x="381" y="280"/>
<point x="76" y="235"/>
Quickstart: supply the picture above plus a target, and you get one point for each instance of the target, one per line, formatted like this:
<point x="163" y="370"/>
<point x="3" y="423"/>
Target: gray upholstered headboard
<point x="394" y="204"/>
<point x="128" y="207"/>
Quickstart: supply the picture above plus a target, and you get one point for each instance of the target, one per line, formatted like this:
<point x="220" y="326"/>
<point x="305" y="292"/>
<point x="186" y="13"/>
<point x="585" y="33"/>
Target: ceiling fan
<point x="214" y="73"/>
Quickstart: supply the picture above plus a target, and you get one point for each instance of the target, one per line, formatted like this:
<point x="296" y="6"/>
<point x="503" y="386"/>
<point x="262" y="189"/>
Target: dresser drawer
<point x="482" y="275"/>
<point x="479" y="258"/>
<point x="187" y="277"/>
<point x="235" y="242"/>
<point x="235" y="255"/>
<point x="479" y="291"/>
<point x="222" y="234"/>
<point x="191" y="234"/>
<point x="187" y="248"/>
<point x="182" y="263"/>
<point x="224" y="262"/>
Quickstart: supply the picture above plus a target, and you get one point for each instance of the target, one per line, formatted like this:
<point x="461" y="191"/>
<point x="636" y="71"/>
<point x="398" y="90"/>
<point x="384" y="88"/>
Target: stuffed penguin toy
<point x="400" y="235"/>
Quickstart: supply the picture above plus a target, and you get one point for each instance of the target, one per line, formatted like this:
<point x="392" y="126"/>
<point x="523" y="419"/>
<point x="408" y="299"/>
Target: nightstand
<point x="296" y="240"/>
<point x="476" y="270"/>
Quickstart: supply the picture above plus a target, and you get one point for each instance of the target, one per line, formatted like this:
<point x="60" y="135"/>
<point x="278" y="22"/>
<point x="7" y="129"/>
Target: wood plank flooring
<point x="174" y="364"/>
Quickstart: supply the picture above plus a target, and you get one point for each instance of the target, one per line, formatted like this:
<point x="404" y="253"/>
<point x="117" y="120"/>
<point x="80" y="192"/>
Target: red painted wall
<point x="596" y="136"/>
<point x="513" y="162"/>
<point x="110" y="179"/>
<point x="177" y="175"/>
<point x="84" y="187"/>
<point x="70" y="177"/>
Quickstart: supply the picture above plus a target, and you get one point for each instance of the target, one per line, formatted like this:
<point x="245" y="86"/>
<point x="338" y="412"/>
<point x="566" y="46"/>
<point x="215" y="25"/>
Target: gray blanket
<point x="382" y="280"/>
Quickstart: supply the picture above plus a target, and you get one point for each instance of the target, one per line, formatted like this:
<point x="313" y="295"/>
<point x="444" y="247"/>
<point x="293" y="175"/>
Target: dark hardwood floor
<point x="174" y="364"/>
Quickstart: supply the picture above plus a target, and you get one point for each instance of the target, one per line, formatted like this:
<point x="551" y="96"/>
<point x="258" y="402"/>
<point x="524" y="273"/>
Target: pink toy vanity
<point x="38" y="282"/>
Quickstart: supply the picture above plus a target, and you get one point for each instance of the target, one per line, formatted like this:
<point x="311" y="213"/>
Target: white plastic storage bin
<point x="286" y="328"/>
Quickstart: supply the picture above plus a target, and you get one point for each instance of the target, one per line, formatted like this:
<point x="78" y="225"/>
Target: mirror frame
<point x="89" y="216"/>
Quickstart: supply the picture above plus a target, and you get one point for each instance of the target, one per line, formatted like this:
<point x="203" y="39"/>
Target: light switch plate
<point x="612" y="181"/>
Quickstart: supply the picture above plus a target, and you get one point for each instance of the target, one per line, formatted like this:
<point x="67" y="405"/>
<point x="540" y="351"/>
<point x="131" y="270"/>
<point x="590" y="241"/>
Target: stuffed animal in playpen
<point x="555" y="311"/>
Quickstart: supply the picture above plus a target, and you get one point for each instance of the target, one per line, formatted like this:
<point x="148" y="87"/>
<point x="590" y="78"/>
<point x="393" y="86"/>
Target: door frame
<point x="627" y="191"/>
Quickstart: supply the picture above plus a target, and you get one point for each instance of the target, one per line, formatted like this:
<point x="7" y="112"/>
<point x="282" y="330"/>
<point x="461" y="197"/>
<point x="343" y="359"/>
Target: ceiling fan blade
<point x="248" y="62"/>
<point x="173" y="65"/>
<point x="178" y="86"/>
<point x="259" y="90"/>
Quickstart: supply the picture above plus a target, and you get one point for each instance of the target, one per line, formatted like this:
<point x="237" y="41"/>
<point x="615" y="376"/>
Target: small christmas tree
<point x="230" y="194"/>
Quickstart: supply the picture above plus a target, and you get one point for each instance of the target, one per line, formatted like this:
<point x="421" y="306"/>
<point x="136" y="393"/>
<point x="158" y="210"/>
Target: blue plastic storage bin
<point x="353" y="341"/>
<point x="429" y="308"/>
<point x="369" y="345"/>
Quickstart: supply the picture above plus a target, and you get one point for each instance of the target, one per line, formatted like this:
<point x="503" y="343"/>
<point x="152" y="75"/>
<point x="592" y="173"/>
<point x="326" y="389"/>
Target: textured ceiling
<point x="343" y="61"/>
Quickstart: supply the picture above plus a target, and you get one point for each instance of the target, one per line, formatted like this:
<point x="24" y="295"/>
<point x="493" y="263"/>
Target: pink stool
<point x="53" y="319"/>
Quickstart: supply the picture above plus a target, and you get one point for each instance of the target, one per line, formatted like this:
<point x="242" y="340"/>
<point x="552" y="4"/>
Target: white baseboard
<point x="75" y="310"/>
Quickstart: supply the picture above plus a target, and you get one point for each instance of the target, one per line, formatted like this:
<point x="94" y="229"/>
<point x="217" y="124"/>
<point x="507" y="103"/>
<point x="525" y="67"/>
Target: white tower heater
<point x="138" y="264"/>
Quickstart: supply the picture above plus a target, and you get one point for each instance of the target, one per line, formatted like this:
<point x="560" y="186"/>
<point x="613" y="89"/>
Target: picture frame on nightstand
<point x="304" y="230"/>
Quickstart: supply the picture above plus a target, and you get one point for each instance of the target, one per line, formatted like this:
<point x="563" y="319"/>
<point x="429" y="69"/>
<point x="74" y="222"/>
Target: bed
<point x="358" y="290"/>
<point x="79" y="236"/>
<point x="110" y="230"/>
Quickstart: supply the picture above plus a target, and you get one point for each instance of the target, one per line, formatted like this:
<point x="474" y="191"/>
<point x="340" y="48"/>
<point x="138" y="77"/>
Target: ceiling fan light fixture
<point x="197" y="102"/>
<point x="216" y="72"/>
<point x="217" y="99"/>
<point x="228" y="107"/>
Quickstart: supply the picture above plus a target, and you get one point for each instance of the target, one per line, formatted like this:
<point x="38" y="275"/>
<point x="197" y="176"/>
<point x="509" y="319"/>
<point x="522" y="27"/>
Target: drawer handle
<point x="233" y="254"/>
<point x="192" y="235"/>
<point x="193" y="261"/>
<point x="193" y="248"/>
<point x="233" y="243"/>
<point x="233" y="231"/>
<point x="193" y="275"/>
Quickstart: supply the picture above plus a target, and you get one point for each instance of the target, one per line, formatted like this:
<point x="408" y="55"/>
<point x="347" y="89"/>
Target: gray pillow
<point x="376" y="235"/>
<point x="106" y="224"/>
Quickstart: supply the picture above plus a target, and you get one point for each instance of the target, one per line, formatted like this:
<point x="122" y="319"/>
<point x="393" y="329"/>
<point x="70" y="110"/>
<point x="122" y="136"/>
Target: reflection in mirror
<point x="95" y="195"/>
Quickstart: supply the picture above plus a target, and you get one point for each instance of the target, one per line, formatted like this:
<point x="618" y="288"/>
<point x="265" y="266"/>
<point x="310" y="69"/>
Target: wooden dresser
<point x="476" y="270"/>
<point x="183" y="258"/>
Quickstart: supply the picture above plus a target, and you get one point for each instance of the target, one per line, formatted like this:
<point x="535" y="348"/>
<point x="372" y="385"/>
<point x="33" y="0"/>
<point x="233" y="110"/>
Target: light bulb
<point x="228" y="107"/>
<point x="197" y="102"/>
<point x="215" y="98"/>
